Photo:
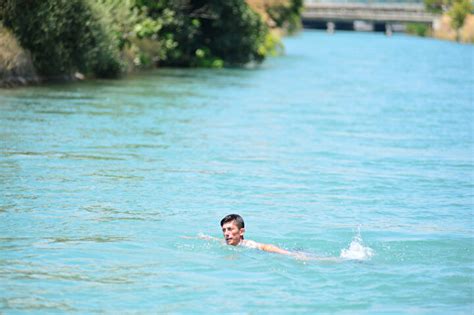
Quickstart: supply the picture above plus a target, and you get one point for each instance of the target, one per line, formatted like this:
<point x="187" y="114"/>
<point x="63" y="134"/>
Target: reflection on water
<point x="100" y="181"/>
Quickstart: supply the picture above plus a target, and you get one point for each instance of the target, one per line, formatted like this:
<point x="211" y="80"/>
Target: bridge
<point x="364" y="16"/>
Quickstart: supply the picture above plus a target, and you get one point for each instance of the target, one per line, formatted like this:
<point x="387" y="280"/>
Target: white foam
<point x="357" y="250"/>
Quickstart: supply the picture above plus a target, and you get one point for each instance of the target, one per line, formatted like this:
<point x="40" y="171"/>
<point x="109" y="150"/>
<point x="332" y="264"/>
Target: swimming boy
<point x="233" y="228"/>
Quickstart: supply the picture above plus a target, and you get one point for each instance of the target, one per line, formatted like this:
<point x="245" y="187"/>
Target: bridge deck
<point x="371" y="12"/>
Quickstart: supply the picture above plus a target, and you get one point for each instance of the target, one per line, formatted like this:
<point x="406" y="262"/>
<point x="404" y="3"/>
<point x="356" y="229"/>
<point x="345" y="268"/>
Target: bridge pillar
<point x="436" y="24"/>
<point x="330" y="27"/>
<point x="388" y="29"/>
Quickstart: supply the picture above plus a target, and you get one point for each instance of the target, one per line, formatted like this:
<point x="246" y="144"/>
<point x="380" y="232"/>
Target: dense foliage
<point x="15" y="63"/>
<point x="287" y="15"/>
<point x="102" y="37"/>
<point x="63" y="36"/>
<point x="456" y="9"/>
<point x="419" y="29"/>
<point x="209" y="33"/>
<point x="458" y="12"/>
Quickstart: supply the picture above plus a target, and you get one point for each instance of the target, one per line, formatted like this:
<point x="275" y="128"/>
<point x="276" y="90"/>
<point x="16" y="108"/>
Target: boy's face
<point x="232" y="234"/>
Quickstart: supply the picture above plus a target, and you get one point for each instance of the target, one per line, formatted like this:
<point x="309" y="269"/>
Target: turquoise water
<point x="101" y="181"/>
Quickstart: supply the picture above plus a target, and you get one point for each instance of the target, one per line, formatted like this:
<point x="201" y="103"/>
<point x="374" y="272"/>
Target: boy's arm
<point x="273" y="249"/>
<point x="298" y="255"/>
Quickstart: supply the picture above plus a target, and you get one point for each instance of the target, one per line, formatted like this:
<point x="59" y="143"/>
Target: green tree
<point x="458" y="12"/>
<point x="287" y="15"/>
<point x="233" y="32"/>
<point x="418" y="29"/>
<point x="63" y="36"/>
<point x="211" y="33"/>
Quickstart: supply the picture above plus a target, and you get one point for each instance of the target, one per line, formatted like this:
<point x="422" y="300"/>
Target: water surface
<point x="100" y="180"/>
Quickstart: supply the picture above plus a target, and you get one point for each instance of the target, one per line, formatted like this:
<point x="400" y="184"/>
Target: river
<point x="106" y="186"/>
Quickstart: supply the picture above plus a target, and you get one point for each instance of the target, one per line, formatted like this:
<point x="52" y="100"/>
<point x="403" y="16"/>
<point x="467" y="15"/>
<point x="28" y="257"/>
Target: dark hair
<point x="234" y="217"/>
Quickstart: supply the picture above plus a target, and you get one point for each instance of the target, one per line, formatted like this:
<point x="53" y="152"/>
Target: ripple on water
<point x="101" y="180"/>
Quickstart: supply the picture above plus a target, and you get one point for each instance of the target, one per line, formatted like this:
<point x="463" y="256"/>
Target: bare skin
<point x="235" y="237"/>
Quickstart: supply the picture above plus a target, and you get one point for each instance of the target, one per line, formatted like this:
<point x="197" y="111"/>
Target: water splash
<point x="357" y="250"/>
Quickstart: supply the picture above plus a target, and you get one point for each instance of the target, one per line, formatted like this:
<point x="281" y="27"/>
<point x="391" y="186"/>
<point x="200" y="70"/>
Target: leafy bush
<point x="63" y="36"/>
<point x="136" y="32"/>
<point x="95" y="36"/>
<point x="234" y="33"/>
<point x="418" y="29"/>
<point x="287" y="15"/>
<point x="458" y="12"/>
<point x="15" y="63"/>
<point x="210" y="33"/>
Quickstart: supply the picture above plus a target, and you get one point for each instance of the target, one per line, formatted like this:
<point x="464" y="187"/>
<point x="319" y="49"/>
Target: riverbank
<point x="112" y="38"/>
<point x="16" y="65"/>
<point x="443" y="29"/>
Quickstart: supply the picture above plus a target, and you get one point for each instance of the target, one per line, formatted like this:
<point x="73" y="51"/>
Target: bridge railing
<point x="332" y="11"/>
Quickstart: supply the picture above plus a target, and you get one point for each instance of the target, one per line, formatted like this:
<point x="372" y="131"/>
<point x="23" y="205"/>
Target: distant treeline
<point x="105" y="38"/>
